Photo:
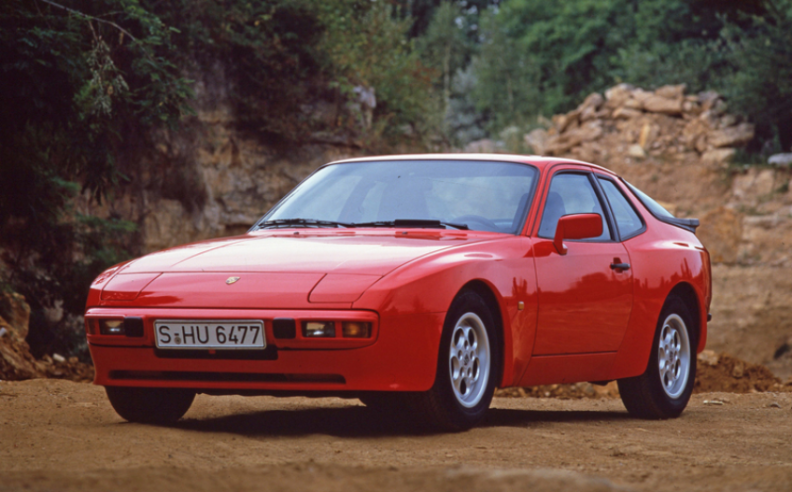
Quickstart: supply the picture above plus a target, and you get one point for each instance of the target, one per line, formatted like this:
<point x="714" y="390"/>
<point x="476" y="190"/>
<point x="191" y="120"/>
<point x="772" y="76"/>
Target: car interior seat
<point x="554" y="210"/>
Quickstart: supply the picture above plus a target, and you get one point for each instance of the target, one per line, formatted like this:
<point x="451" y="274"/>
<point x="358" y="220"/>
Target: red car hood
<point x="361" y="253"/>
<point x="276" y="269"/>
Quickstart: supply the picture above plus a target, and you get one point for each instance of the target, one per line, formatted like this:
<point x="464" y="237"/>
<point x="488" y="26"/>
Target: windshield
<point x="482" y="195"/>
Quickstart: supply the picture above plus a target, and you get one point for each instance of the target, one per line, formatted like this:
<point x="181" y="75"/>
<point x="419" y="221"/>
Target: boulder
<point x="484" y="146"/>
<point x="718" y="156"/>
<point x="558" y="145"/>
<point x="694" y="135"/>
<point x="780" y="160"/>
<point x="14" y="313"/>
<point x="563" y="122"/>
<point x="636" y="151"/>
<point x="664" y="105"/>
<point x="671" y="91"/>
<point x="537" y="140"/>
<point x="616" y="96"/>
<point x="593" y="101"/>
<point x="734" y="136"/>
<point x="708" y="99"/>
<point x="625" y="113"/>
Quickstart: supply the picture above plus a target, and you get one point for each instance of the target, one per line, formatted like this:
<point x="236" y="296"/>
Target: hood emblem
<point x="231" y="280"/>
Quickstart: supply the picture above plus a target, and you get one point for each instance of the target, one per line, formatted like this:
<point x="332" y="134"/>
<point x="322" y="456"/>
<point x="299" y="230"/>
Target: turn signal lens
<point x="356" y="329"/>
<point x="318" y="329"/>
<point x="111" y="327"/>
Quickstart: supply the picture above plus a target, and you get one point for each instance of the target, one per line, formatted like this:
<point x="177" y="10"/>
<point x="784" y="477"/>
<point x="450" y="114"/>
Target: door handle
<point x="620" y="266"/>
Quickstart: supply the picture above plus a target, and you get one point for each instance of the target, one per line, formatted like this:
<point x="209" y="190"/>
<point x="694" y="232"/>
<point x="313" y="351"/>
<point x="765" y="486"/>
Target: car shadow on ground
<point x="360" y="421"/>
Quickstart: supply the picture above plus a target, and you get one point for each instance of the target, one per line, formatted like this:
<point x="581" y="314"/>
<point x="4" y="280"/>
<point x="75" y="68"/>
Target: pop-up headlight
<point x="318" y="329"/>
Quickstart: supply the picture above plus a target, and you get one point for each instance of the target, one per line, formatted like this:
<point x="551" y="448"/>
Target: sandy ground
<point x="60" y="435"/>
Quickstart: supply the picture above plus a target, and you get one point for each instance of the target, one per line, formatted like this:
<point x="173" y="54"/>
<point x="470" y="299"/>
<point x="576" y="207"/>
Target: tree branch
<point x="90" y="17"/>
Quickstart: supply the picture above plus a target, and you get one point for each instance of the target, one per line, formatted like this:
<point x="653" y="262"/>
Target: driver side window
<point x="571" y="193"/>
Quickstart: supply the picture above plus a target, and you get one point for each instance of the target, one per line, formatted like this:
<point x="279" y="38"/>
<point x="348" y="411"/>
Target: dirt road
<point x="59" y="435"/>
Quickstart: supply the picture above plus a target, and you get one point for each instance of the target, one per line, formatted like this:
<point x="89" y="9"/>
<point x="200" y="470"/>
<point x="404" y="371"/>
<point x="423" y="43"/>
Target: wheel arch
<point x="689" y="296"/>
<point x="490" y="298"/>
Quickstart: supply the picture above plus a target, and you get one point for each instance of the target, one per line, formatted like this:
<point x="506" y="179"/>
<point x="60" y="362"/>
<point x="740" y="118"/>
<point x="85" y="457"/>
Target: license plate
<point x="226" y="334"/>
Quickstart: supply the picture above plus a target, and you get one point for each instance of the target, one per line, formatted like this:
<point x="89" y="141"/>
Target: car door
<point x="586" y="295"/>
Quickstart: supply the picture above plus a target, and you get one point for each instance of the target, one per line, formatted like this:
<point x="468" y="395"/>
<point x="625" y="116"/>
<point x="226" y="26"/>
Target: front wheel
<point x="467" y="368"/>
<point x="150" y="405"/>
<point x="664" y="389"/>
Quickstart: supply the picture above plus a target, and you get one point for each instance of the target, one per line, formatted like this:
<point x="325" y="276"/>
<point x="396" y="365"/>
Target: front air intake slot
<point x="225" y="377"/>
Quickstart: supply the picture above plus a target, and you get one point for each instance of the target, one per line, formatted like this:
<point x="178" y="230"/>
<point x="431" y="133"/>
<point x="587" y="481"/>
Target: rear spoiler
<point x="687" y="224"/>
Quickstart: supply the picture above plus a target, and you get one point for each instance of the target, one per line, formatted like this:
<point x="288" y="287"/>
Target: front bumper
<point x="401" y="354"/>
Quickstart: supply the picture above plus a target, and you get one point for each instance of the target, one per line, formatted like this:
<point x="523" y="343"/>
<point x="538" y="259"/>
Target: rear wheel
<point x="664" y="389"/>
<point x="150" y="405"/>
<point x="467" y="367"/>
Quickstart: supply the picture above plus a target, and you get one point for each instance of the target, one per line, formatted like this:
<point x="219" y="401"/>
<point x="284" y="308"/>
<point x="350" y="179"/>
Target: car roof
<point x="540" y="162"/>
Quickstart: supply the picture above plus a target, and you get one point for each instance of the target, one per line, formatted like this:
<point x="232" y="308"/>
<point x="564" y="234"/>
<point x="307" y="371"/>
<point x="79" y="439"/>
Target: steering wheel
<point x="489" y="225"/>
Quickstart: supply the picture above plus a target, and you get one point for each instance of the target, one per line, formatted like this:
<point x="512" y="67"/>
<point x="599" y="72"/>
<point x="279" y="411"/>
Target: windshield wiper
<point x="278" y="223"/>
<point x="428" y="223"/>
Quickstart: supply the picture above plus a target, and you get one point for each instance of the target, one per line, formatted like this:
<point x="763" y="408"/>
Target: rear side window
<point x="627" y="219"/>
<point x="654" y="207"/>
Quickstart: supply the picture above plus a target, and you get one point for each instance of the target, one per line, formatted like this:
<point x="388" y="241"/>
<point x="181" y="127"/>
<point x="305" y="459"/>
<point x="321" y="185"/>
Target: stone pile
<point x="635" y="123"/>
<point x="16" y="361"/>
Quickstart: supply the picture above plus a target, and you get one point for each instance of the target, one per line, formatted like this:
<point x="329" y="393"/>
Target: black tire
<point x="656" y="394"/>
<point x="442" y="407"/>
<point x="150" y="405"/>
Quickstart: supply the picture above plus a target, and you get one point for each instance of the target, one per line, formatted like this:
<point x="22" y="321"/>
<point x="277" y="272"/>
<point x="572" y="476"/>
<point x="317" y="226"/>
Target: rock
<point x="694" y="135"/>
<point x="708" y="99"/>
<point x="648" y="135"/>
<point x="617" y="95"/>
<point x="728" y="120"/>
<point x="671" y="91"/>
<point x="537" y="140"/>
<point x="54" y="314"/>
<point x="691" y="107"/>
<point x="752" y="185"/>
<point x="721" y="231"/>
<point x="562" y="143"/>
<point x="634" y="104"/>
<point x="636" y="150"/>
<point x="562" y="122"/>
<point x="483" y="146"/>
<point x="659" y="104"/>
<point x="14" y="313"/>
<point x="739" y="370"/>
<point x="718" y="156"/>
<point x="624" y="113"/>
<point x="588" y="114"/>
<point x="593" y="101"/>
<point x="781" y="160"/>
<point x="709" y="357"/>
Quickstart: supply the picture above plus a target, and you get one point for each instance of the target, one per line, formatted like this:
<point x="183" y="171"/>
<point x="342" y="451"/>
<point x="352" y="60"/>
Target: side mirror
<point x="576" y="226"/>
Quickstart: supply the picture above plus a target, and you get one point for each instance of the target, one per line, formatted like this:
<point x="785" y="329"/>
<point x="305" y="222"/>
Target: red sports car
<point x="422" y="282"/>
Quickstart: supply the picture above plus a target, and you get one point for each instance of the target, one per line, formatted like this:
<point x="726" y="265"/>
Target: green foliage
<point x="508" y="78"/>
<point x="366" y="44"/>
<point x="445" y="46"/>
<point x="78" y="86"/>
<point x="760" y="85"/>
<point x="567" y="50"/>
<point x="267" y="50"/>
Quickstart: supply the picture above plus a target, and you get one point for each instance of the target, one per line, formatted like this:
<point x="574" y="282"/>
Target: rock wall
<point x="213" y="177"/>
